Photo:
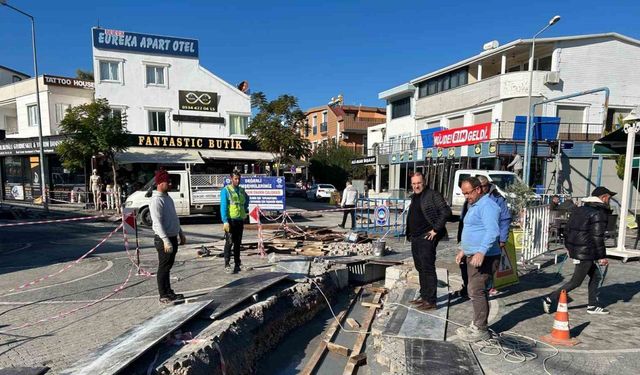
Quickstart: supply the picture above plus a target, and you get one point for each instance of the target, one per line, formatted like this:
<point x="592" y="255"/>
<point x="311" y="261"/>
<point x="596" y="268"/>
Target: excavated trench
<point x="264" y="337"/>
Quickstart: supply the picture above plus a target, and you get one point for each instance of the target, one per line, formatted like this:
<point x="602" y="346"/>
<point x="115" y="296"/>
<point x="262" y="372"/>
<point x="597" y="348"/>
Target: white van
<point x="501" y="179"/>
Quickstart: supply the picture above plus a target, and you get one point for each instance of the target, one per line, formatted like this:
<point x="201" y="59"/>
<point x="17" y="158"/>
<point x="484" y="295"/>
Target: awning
<point x="159" y="156"/>
<point x="237" y="155"/>
<point x="614" y="143"/>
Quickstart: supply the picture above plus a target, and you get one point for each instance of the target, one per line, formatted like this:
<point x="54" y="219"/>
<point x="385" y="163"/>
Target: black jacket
<point x="435" y="210"/>
<point x="585" y="231"/>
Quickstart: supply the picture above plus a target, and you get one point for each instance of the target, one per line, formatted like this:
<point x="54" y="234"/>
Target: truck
<point x="500" y="179"/>
<point x="192" y="194"/>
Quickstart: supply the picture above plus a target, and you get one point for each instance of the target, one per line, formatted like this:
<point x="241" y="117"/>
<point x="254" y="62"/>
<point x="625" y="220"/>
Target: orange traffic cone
<point x="560" y="334"/>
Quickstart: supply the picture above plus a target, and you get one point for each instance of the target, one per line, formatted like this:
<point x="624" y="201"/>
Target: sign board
<point x="507" y="272"/>
<point x="467" y="135"/>
<point x="382" y="215"/>
<point x="364" y="161"/>
<point x="198" y="119"/>
<point x="67" y="82"/>
<point x="203" y="101"/>
<point x="28" y="146"/>
<point x="117" y="40"/>
<point x="567" y="145"/>
<point x="266" y="192"/>
<point x="196" y="143"/>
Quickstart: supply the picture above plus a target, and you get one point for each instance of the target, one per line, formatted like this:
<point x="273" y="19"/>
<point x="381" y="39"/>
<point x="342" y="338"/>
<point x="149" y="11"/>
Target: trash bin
<point x="379" y="248"/>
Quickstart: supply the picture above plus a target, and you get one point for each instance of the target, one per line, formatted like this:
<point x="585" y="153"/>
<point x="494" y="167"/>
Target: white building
<point x="19" y="152"/>
<point x="492" y="87"/>
<point x="8" y="75"/>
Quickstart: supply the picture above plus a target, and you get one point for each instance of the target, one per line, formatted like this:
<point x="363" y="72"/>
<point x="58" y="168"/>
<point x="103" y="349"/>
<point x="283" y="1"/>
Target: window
<point x="110" y="71"/>
<point x="157" y="121"/>
<point x="571" y="114"/>
<point x="155" y="75"/>
<point x="238" y="124"/>
<point x="544" y="63"/>
<point x="61" y="111"/>
<point x="323" y="124"/>
<point x="15" y="79"/>
<point x="32" y="111"/>
<point x="314" y="124"/>
<point x="444" y="82"/>
<point x="401" y="107"/>
<point x="482" y="117"/>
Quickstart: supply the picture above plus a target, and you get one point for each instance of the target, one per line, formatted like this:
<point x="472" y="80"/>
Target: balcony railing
<point x="500" y="131"/>
<point x="358" y="123"/>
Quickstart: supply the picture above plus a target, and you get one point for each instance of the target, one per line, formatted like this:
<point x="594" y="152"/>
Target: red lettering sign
<point x="468" y="135"/>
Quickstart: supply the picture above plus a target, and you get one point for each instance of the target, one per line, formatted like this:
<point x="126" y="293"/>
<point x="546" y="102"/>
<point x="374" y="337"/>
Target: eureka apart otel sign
<point x="119" y="40"/>
<point x="198" y="143"/>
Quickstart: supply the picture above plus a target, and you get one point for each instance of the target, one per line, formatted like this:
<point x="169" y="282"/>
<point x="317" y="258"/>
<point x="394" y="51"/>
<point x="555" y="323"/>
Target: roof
<point x="405" y="88"/>
<point x="14" y="71"/>
<point x="341" y="110"/>
<point x="517" y="42"/>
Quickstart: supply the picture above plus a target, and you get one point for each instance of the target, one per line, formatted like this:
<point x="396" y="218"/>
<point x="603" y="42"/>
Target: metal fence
<point x="536" y="232"/>
<point x="384" y="216"/>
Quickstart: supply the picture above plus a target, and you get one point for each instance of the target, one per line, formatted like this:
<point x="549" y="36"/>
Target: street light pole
<point x="528" y="130"/>
<point x="43" y="178"/>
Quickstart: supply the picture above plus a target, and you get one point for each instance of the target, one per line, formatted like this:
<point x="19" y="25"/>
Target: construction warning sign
<point x="507" y="273"/>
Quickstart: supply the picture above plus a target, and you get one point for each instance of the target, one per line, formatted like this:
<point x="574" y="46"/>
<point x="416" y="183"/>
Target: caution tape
<point x="65" y="268"/>
<point x="50" y="221"/>
<point x="69" y="312"/>
<point x="141" y="271"/>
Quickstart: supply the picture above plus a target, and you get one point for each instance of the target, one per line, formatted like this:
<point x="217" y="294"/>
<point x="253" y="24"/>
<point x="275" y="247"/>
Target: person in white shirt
<point x="516" y="164"/>
<point x="349" y="197"/>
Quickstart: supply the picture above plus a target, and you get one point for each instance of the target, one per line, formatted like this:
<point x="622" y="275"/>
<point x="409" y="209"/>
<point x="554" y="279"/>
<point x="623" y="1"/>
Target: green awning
<point x="614" y="143"/>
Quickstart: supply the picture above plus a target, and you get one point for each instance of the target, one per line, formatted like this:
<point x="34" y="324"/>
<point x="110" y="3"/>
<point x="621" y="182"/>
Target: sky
<point x="313" y="50"/>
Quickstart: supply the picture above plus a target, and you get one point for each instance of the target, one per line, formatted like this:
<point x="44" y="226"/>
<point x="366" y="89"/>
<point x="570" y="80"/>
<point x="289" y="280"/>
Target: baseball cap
<point x="601" y="190"/>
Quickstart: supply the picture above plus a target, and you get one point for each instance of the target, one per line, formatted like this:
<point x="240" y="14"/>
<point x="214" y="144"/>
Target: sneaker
<point x="597" y="310"/>
<point x="472" y="333"/>
<point x="237" y="269"/>
<point x="417" y="301"/>
<point x="493" y="292"/>
<point x="227" y="268"/>
<point x="168" y="299"/>
<point x="462" y="293"/>
<point x="341" y="226"/>
<point x="176" y="296"/>
<point x="546" y="305"/>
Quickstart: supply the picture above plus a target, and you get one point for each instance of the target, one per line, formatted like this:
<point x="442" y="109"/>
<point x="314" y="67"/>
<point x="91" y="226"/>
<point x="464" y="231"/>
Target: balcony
<point x="500" y="87"/>
<point x="360" y="124"/>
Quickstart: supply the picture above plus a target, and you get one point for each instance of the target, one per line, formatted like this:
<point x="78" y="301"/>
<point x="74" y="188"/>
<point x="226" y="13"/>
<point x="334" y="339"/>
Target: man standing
<point x="516" y="163"/>
<point x="505" y="222"/>
<point x="480" y="247"/>
<point x="166" y="227"/>
<point x="585" y="241"/>
<point x="349" y="197"/>
<point x="234" y="205"/>
<point x="428" y="214"/>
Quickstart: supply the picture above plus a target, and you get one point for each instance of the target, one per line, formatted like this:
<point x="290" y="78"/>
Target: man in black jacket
<point x="585" y="241"/>
<point x="428" y="214"/>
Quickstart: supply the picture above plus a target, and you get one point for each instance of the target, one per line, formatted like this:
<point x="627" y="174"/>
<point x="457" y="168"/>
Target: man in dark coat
<point x="585" y="241"/>
<point x="426" y="220"/>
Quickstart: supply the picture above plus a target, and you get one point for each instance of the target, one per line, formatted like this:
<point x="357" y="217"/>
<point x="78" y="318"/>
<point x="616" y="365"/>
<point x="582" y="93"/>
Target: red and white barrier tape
<point x="69" y="312"/>
<point x="49" y="221"/>
<point x="65" y="268"/>
<point x="141" y="271"/>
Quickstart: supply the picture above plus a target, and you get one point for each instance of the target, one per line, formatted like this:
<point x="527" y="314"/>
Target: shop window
<point x="61" y="111"/>
<point x="32" y="112"/>
<point x="109" y="71"/>
<point x="401" y="107"/>
<point x="158" y="121"/>
<point x="238" y="124"/>
<point x="155" y="75"/>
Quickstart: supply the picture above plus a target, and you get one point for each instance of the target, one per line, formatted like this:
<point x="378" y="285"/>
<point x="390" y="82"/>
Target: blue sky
<point x="311" y="49"/>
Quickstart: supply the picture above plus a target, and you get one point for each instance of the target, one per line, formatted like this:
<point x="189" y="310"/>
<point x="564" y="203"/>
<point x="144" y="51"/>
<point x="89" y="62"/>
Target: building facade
<point x="490" y="91"/>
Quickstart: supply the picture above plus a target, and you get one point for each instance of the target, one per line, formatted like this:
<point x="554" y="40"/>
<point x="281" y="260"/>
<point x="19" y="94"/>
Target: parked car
<point x="292" y="190"/>
<point x="320" y="191"/>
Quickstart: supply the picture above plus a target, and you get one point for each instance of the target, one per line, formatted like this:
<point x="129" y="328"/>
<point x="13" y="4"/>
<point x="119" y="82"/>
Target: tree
<point x="331" y="164"/>
<point x="84" y="75"/>
<point x="91" y="130"/>
<point x="278" y="128"/>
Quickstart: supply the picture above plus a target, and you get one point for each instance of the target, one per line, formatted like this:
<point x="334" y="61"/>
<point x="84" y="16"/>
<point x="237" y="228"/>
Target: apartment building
<point x="490" y="91"/>
<point x="8" y="75"/>
<point x="341" y="124"/>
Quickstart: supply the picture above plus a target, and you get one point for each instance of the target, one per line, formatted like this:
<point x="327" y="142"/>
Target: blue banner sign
<point x="118" y="40"/>
<point x="266" y="192"/>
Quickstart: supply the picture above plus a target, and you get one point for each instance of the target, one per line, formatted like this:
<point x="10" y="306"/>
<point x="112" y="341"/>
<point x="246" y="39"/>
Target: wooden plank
<point x="338" y="349"/>
<point x="362" y="337"/>
<point x="377" y="289"/>
<point x="369" y="304"/>
<point x="353" y="323"/>
<point x="330" y="333"/>
<point x="358" y="360"/>
<point x="238" y="291"/>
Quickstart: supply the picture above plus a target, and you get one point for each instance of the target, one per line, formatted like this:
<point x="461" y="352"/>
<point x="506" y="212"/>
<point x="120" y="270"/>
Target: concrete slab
<point x="429" y="357"/>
